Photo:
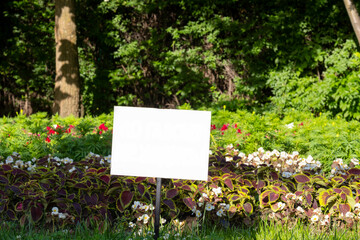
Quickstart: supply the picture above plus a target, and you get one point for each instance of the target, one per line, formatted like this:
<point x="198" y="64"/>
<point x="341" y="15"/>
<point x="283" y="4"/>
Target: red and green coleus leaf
<point x="338" y="180"/>
<point x="229" y="183"/>
<point x="346" y="190"/>
<point x="189" y="202"/>
<point x="264" y="198"/>
<point x="301" y="178"/>
<point x="36" y="212"/>
<point x="171" y="193"/>
<point x="309" y="198"/>
<point x="344" y="208"/>
<point x="105" y="178"/>
<point x="232" y="211"/>
<point x="324" y="197"/>
<point x="125" y="198"/>
<point x="354" y="171"/>
<point x="170" y="203"/>
<point x="248" y="208"/>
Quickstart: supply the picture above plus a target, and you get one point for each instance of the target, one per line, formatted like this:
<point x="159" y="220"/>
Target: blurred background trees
<point x="258" y="55"/>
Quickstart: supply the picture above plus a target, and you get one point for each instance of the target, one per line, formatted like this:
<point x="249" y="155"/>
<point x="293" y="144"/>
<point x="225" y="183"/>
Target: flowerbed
<point x="241" y="189"/>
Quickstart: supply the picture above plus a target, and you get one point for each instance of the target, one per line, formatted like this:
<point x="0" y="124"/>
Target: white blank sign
<point x="163" y="143"/>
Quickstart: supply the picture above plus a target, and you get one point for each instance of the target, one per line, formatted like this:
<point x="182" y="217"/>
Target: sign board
<point x="161" y="143"/>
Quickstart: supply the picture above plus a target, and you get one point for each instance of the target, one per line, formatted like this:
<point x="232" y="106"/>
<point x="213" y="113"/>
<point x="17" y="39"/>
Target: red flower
<point x="238" y="130"/>
<point x="100" y="132"/>
<point x="69" y="129"/>
<point x="213" y="127"/>
<point x="224" y="127"/>
<point x="235" y="126"/>
<point x="50" y="131"/>
<point x="301" y="124"/>
<point x="47" y="140"/>
<point x="102" y="127"/>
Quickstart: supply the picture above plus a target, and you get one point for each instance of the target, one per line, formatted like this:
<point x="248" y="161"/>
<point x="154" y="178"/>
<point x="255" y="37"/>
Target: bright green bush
<point x="334" y="91"/>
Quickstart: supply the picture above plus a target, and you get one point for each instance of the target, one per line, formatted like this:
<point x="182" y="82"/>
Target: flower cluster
<point x="55" y="212"/>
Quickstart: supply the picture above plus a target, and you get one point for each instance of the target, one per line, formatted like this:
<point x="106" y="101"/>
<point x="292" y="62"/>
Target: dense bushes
<point x="176" y="52"/>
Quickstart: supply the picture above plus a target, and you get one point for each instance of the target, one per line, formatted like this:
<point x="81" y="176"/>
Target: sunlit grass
<point x="261" y="231"/>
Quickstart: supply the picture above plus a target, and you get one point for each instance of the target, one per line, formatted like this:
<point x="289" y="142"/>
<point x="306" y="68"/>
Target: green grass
<point x="262" y="231"/>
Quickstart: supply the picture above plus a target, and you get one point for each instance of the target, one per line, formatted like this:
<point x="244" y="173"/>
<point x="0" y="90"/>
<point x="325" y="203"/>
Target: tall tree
<point x="354" y="17"/>
<point x="67" y="80"/>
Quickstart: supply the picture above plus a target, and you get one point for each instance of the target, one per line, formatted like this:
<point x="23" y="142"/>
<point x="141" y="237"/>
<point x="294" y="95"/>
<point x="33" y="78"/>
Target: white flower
<point x="281" y="205"/>
<point x="135" y="205"/>
<point x="146" y="218"/>
<point x="300" y="198"/>
<point x="242" y="155"/>
<point x="300" y="209"/>
<point x="140" y="218"/>
<point x="339" y="161"/>
<point x="162" y="220"/>
<point x="9" y="160"/>
<point x="290" y="162"/>
<point x="72" y="169"/>
<point x="357" y="205"/>
<point x="102" y="161"/>
<point x="283" y="155"/>
<point x="18" y="237"/>
<point x="210" y="152"/>
<point x="198" y="213"/>
<point x="261" y="150"/>
<point x="309" y="159"/>
<point x="217" y="191"/>
<point x="204" y="195"/>
<point x="108" y="158"/>
<point x="286" y="174"/>
<point x="302" y="163"/>
<point x="290" y="125"/>
<point x="315" y="218"/>
<point x="230" y="146"/>
<point x="151" y="207"/>
<point x="220" y="212"/>
<point x="290" y="196"/>
<point x="131" y="224"/>
<point x="228" y="158"/>
<point x="54" y="211"/>
<point x="317" y="211"/>
<point x="355" y="161"/>
<point x="209" y="207"/>
<point x="200" y="204"/>
<point x="349" y="215"/>
<point x="62" y="215"/>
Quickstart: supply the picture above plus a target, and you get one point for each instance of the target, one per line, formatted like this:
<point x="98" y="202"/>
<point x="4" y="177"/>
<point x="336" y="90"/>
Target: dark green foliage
<point x="186" y="52"/>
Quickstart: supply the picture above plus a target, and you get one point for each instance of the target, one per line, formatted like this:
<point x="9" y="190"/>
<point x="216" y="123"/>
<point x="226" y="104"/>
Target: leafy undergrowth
<point x="241" y="190"/>
<point x="55" y="183"/>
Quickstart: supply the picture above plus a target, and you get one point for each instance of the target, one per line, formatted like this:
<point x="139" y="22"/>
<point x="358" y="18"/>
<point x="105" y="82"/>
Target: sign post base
<point x="157" y="207"/>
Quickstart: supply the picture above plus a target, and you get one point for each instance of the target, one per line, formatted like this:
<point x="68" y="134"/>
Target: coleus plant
<point x="240" y="190"/>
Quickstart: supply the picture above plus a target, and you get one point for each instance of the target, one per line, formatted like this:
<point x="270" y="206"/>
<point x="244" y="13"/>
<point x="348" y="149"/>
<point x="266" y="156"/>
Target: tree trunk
<point x="354" y="17"/>
<point x="67" y="81"/>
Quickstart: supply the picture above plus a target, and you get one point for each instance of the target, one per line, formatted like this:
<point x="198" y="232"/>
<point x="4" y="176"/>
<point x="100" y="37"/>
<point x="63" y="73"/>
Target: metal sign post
<point x="157" y="207"/>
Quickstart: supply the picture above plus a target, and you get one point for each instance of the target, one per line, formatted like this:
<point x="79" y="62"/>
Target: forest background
<point x="257" y="55"/>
